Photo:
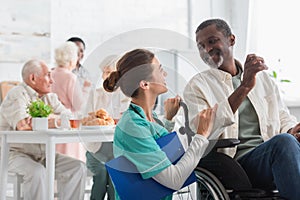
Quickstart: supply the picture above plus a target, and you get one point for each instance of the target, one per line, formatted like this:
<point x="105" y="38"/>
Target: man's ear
<point x="144" y="85"/>
<point x="232" y="40"/>
<point x="32" y="78"/>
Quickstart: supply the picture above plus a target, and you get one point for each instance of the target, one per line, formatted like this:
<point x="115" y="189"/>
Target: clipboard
<point x="130" y="185"/>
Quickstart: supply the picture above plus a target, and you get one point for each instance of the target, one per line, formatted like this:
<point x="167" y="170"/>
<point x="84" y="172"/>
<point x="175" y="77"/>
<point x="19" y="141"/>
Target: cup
<point x="75" y="121"/>
<point x="63" y="121"/>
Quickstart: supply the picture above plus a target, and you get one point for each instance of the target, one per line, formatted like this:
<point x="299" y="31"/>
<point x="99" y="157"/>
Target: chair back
<point x="5" y="86"/>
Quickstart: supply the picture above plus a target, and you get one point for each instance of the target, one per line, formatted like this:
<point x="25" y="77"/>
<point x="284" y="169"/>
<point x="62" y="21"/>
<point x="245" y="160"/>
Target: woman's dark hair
<point x="132" y="68"/>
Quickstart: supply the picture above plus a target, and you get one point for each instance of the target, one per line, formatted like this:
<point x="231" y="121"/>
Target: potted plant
<point x="39" y="111"/>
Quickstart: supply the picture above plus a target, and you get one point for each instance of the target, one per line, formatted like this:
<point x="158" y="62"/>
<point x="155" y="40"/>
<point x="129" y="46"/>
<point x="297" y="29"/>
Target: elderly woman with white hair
<point x="68" y="90"/>
<point x="66" y="85"/>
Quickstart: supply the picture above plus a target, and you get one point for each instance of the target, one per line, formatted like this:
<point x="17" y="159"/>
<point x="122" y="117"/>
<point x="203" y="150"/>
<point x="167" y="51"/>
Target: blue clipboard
<point x="129" y="183"/>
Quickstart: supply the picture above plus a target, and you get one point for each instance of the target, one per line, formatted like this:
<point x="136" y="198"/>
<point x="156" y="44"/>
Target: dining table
<point x="50" y="138"/>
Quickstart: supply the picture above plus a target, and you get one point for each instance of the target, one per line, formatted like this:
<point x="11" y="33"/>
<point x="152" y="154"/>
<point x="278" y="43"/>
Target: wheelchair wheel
<point x="209" y="187"/>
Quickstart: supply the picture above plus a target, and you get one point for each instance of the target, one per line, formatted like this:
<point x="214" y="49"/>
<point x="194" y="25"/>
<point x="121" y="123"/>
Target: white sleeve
<point x="198" y="98"/>
<point x="174" y="176"/>
<point x="93" y="146"/>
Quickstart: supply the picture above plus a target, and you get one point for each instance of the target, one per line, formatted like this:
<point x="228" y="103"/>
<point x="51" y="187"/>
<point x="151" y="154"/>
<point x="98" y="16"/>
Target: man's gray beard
<point x="210" y="62"/>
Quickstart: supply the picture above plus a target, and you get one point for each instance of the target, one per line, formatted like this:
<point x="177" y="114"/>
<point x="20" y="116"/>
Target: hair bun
<point x="110" y="84"/>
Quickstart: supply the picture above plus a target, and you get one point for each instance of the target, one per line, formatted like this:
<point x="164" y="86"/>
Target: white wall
<point x="41" y="25"/>
<point x="24" y="34"/>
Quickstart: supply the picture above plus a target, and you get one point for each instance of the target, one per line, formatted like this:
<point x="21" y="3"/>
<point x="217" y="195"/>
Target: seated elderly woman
<point x="68" y="90"/>
<point x="65" y="83"/>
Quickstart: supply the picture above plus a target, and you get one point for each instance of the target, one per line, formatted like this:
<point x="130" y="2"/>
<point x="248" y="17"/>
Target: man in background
<point x="29" y="159"/>
<point x="81" y="72"/>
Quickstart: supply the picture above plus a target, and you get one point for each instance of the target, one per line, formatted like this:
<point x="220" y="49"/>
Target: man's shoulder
<point x="206" y="74"/>
<point x="83" y="69"/>
<point x="16" y="91"/>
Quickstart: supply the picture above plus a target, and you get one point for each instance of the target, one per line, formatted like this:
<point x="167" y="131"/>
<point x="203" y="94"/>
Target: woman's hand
<point x="171" y="107"/>
<point x="206" y="121"/>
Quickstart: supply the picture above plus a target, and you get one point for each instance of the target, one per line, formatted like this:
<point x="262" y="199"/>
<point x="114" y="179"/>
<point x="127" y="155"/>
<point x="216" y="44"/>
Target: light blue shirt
<point x="82" y="74"/>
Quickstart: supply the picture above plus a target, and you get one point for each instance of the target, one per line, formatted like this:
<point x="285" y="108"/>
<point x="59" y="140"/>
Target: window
<point x="273" y="34"/>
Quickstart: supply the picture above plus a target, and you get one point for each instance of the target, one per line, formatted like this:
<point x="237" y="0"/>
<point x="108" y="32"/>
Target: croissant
<point x="100" y="117"/>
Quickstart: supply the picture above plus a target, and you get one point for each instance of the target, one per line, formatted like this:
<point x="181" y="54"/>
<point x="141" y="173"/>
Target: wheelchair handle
<point x="186" y="128"/>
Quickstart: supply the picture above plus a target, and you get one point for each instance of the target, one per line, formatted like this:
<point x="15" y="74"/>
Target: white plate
<point x="99" y="127"/>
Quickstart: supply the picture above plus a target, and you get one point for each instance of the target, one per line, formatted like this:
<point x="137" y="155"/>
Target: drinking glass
<point x="75" y="121"/>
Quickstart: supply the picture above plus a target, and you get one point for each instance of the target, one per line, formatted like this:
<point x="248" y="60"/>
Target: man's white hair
<point x="31" y="67"/>
<point x="66" y="53"/>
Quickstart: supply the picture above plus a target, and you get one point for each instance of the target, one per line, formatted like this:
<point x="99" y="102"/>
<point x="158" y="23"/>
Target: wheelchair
<point x="219" y="177"/>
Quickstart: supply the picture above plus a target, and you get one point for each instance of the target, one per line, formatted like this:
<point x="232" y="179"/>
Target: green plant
<point x="275" y="76"/>
<point x="39" y="109"/>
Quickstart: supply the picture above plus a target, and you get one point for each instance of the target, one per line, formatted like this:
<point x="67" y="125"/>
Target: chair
<point x="15" y="180"/>
<point x="5" y="86"/>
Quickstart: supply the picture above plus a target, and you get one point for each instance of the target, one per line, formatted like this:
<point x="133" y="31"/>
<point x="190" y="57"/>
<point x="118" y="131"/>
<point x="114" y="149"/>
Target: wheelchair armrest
<point x="224" y="143"/>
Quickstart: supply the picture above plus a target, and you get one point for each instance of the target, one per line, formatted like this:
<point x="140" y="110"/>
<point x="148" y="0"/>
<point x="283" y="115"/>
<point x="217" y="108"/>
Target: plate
<point x="98" y="127"/>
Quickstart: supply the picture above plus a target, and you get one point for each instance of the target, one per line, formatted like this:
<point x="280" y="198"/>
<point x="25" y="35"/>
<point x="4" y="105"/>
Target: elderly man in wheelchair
<point x="268" y="155"/>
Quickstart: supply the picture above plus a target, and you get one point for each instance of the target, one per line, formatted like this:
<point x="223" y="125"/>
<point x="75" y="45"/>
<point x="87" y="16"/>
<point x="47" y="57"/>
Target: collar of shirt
<point x="138" y="110"/>
<point x="222" y="75"/>
<point x="80" y="68"/>
<point x="32" y="93"/>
